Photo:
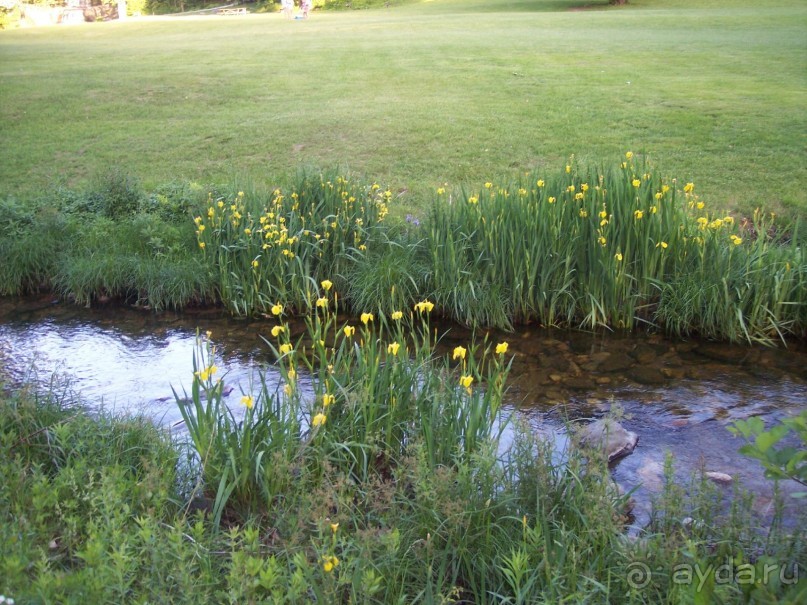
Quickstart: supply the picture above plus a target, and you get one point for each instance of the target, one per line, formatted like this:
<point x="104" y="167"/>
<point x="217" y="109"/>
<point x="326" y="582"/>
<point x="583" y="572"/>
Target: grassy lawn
<point x="418" y="96"/>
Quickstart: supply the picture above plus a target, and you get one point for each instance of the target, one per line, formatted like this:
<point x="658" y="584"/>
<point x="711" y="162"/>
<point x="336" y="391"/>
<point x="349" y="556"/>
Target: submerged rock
<point x="647" y="375"/>
<point x="727" y="353"/>
<point x="580" y="383"/>
<point x="651" y="475"/>
<point x="554" y="362"/>
<point x="674" y="373"/>
<point x="608" y="436"/>
<point x="644" y="353"/>
<point x="617" y="362"/>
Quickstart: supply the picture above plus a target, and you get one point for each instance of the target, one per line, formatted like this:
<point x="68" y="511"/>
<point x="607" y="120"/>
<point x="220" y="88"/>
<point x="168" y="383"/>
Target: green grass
<point x="418" y="96"/>
<point x="585" y="246"/>
<point x="400" y="495"/>
<point x="617" y="248"/>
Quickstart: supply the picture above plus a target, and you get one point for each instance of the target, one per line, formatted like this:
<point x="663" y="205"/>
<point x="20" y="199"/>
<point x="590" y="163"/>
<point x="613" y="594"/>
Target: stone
<point x="574" y="369"/>
<point x="727" y="353"/>
<point x="676" y="373"/>
<point x="609" y="436"/>
<point x="651" y="475"/>
<point x="579" y="383"/>
<point x="617" y="362"/>
<point x="766" y="372"/>
<point x="643" y="353"/>
<point x="648" y="375"/>
<point x="599" y="356"/>
<point x="555" y="362"/>
<point x="721" y="478"/>
<point x="685" y="347"/>
<point x="531" y="345"/>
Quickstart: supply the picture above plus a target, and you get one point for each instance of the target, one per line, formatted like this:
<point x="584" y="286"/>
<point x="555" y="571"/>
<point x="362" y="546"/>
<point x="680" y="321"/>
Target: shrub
<point x="115" y="194"/>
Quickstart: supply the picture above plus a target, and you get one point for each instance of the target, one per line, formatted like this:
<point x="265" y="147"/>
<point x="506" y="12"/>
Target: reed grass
<point x="364" y="506"/>
<point x="617" y="248"/>
<point x="270" y="250"/>
<point x="372" y="397"/>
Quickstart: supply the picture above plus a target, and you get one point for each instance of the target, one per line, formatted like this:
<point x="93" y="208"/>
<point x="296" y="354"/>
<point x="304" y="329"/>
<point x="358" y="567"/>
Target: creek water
<point x="678" y="396"/>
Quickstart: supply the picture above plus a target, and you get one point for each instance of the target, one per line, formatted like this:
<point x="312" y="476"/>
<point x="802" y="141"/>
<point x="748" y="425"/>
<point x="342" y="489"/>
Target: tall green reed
<point x="376" y="389"/>
<point x="269" y="250"/>
<point x="618" y="248"/>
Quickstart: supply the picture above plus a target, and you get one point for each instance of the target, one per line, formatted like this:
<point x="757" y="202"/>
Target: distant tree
<point x="9" y="11"/>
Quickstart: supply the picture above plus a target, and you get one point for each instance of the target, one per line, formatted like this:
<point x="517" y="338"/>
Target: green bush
<point x="116" y="194"/>
<point x="174" y="201"/>
<point x="789" y="459"/>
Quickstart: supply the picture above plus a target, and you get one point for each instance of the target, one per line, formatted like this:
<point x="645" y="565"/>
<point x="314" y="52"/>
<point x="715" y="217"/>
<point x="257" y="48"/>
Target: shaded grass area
<point x="111" y="241"/>
<point x="387" y="487"/>
<point x="619" y="247"/>
<point x="417" y="96"/>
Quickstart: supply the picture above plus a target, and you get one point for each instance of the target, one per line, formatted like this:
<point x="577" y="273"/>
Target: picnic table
<point x="239" y="10"/>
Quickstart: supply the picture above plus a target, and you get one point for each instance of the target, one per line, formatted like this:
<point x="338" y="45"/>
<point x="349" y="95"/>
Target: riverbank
<point x="680" y="397"/>
<point x="620" y="248"/>
<point x="368" y="497"/>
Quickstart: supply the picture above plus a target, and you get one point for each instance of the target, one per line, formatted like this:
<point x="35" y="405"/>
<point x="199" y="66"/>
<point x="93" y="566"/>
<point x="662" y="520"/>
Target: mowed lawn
<point x="433" y="93"/>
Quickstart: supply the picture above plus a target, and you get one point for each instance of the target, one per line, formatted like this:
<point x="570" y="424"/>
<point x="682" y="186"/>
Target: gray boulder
<point x="608" y="436"/>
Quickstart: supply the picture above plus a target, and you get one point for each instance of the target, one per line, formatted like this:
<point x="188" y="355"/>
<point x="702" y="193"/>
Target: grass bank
<point x="385" y="484"/>
<point x="615" y="247"/>
<point x="417" y="96"/>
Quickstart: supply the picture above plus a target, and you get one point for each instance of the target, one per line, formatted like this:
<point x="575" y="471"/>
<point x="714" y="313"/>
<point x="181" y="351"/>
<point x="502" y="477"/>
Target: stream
<point x="678" y="396"/>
